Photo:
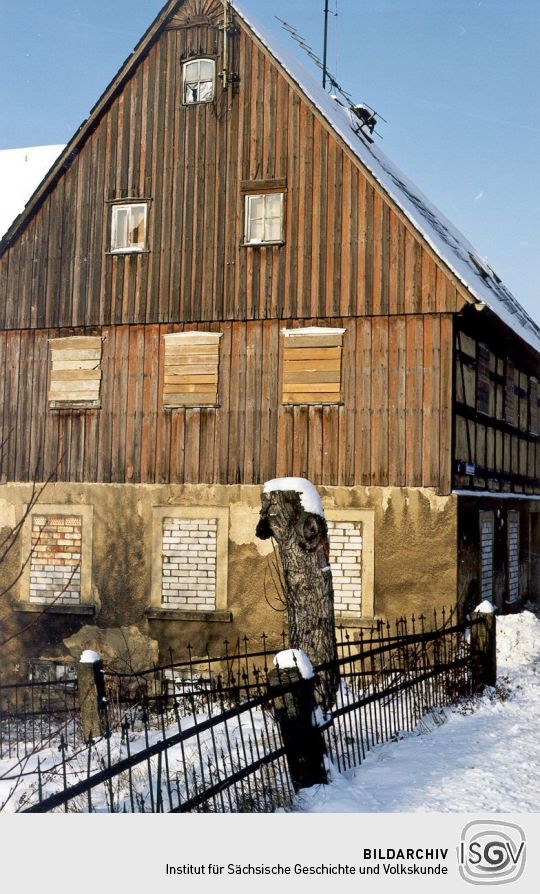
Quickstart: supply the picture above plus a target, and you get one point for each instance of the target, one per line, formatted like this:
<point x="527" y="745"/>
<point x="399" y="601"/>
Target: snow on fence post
<point x="91" y="689"/>
<point x="291" y="684"/>
<point x="483" y="649"/>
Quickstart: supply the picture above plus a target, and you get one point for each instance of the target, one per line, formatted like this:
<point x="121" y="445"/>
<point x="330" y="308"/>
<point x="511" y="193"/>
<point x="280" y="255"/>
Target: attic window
<point x="199" y="79"/>
<point x="75" y="378"/>
<point x="191" y="369"/>
<point x="128" y="227"/>
<point x="264" y="218"/>
<point x="312" y="365"/>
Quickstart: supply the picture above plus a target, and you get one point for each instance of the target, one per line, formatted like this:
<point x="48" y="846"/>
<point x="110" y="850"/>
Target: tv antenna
<point x="365" y="117"/>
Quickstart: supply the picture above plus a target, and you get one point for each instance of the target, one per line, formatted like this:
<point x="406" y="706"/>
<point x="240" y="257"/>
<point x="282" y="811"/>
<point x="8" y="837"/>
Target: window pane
<point x="206" y="72"/>
<point x="273" y="205"/>
<point x="256" y="207"/>
<point x="191" y="71"/>
<point x="206" y="91"/>
<point x="136" y="238"/>
<point x="255" y="231"/>
<point x="119" y="236"/>
<point x="272" y="229"/>
<point x="191" y="92"/>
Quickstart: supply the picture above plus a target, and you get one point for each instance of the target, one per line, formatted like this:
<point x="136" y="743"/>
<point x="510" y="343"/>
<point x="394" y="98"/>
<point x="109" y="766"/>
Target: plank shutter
<point x="482" y="379"/>
<point x="533" y="412"/>
<point x="312" y="366"/>
<point x="75" y="379"/>
<point x="510" y="413"/>
<point x="191" y="369"/>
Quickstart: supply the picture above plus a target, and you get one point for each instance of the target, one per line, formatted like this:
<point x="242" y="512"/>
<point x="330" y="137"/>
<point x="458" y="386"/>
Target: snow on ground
<point x="482" y="756"/>
<point x="21" y="171"/>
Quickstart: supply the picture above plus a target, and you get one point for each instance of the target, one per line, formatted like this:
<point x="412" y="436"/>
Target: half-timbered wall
<point x="346" y="250"/>
<point x="392" y="427"/>
<point x="497" y="444"/>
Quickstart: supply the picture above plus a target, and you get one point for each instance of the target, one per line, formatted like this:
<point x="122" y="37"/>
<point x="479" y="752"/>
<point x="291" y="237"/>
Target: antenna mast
<point x="325" y="47"/>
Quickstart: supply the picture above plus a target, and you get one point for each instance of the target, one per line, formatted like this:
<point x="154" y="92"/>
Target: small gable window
<point x="199" y="80"/>
<point x="128" y="227"/>
<point x="264" y="218"/>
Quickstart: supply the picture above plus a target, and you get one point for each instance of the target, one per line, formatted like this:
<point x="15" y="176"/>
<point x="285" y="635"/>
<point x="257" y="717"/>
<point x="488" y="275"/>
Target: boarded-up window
<point x="75" y="379"/>
<point x="510" y="409"/>
<point x="191" y="369"/>
<point x="482" y="378"/>
<point x="312" y="366"/>
<point x="533" y="406"/>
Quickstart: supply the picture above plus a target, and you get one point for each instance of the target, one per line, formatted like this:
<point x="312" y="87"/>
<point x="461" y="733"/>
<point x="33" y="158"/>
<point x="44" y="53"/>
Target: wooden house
<point x="222" y="280"/>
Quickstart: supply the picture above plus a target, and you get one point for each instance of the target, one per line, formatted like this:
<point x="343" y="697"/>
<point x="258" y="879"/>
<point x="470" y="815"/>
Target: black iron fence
<point x="38" y="711"/>
<point x="226" y="741"/>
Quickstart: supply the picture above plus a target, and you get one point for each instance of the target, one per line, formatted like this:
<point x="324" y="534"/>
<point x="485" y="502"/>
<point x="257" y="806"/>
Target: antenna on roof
<point x="365" y="118"/>
<point x="325" y="44"/>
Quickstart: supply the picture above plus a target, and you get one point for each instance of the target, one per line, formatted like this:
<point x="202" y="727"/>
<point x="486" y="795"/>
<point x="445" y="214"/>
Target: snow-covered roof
<point x="21" y="171"/>
<point x="443" y="237"/>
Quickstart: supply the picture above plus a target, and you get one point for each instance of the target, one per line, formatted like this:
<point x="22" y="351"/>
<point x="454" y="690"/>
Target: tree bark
<point x="302" y="542"/>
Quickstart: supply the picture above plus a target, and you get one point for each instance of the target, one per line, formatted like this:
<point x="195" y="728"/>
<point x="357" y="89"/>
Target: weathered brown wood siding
<point x="346" y="252"/>
<point x="392" y="427"/>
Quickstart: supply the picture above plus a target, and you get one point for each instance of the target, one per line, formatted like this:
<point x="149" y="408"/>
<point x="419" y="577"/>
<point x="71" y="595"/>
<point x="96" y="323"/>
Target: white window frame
<point x="248" y="218"/>
<point x="189" y="63"/>
<point x="116" y="249"/>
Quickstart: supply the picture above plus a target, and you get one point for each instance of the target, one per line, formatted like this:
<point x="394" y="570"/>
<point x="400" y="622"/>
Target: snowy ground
<point x="484" y="756"/>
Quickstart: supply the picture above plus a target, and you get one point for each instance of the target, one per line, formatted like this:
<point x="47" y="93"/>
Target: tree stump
<point x="302" y="542"/>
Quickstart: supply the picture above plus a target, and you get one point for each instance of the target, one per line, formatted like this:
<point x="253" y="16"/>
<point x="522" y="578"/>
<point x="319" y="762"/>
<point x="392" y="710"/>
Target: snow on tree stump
<point x="292" y="513"/>
<point x="91" y="690"/>
<point x="291" y="685"/>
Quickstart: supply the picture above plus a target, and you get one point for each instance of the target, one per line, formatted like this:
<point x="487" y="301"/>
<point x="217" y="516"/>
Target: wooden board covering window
<point x="191" y="369"/>
<point x="75" y="379"/>
<point x="312" y="366"/>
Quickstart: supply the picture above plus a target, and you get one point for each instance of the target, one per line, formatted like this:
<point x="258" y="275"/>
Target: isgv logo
<point x="491" y="853"/>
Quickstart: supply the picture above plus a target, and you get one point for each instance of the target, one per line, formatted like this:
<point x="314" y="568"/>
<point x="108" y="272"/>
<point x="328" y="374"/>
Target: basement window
<point x="264" y="218"/>
<point x="199" y="81"/>
<point x="128" y="227"/>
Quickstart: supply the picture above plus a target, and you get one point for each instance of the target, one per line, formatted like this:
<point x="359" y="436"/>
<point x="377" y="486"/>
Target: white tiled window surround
<point x="487" y="530"/>
<point x="189" y="561"/>
<point x="55" y="559"/>
<point x="57" y="538"/>
<point x="351" y="536"/>
<point x="513" y="557"/>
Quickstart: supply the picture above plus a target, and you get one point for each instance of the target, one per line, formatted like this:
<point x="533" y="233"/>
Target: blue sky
<point x="457" y="80"/>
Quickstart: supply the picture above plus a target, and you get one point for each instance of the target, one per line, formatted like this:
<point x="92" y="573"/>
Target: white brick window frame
<point x="366" y="519"/>
<point x="486" y="554"/>
<point x="85" y="605"/>
<point x="160" y="610"/>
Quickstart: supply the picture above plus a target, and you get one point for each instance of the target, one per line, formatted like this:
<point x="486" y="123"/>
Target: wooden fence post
<point x="303" y="740"/>
<point x="91" y="689"/>
<point x="483" y="650"/>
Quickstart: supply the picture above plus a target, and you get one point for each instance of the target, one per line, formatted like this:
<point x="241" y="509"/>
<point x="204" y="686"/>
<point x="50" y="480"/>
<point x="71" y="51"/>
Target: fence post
<point x="91" y="688"/>
<point x="303" y="741"/>
<point x="483" y="650"/>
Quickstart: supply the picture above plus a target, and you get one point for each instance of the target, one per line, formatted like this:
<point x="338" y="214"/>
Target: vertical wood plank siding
<point x="346" y="251"/>
<point x="394" y="400"/>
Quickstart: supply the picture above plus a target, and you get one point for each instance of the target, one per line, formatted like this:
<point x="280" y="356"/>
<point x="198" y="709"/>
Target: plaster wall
<point x="413" y="551"/>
